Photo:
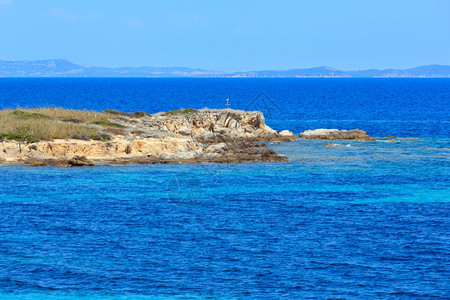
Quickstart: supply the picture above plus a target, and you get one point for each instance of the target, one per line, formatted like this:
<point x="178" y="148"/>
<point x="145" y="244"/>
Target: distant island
<point x="65" y="68"/>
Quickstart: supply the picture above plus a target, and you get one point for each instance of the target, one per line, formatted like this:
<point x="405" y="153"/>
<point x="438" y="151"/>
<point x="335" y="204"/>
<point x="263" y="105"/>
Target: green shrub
<point x="107" y="124"/>
<point x="141" y="114"/>
<point x="28" y="115"/>
<point x="187" y="111"/>
<point x="13" y="136"/>
<point x="100" y="137"/>
<point x="116" y="112"/>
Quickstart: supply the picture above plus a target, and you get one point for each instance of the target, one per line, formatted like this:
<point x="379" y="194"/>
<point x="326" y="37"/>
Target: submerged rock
<point x="337" y="145"/>
<point x="336" y="134"/>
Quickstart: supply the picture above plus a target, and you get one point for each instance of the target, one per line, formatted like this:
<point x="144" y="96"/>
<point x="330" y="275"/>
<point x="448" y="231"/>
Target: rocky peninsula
<point x="59" y="137"/>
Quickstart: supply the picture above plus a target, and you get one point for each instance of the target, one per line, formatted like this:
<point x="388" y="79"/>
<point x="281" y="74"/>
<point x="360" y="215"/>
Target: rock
<point x="260" y="145"/>
<point x="248" y="128"/>
<point x="336" y="134"/>
<point x="286" y="133"/>
<point x="233" y="124"/>
<point x="269" y="130"/>
<point x="167" y="156"/>
<point x="76" y="161"/>
<point x="184" y="130"/>
<point x="207" y="135"/>
<point x="251" y="151"/>
<point x="80" y="161"/>
<point x="287" y="136"/>
<point x="32" y="147"/>
<point x="268" y="155"/>
<point x="267" y="152"/>
<point x="37" y="163"/>
<point x="62" y="163"/>
<point x="12" y="149"/>
<point x="128" y="149"/>
<point x="217" y="148"/>
<point x="180" y="156"/>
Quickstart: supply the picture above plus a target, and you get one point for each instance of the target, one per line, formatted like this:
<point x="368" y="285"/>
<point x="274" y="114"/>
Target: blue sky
<point x="229" y="35"/>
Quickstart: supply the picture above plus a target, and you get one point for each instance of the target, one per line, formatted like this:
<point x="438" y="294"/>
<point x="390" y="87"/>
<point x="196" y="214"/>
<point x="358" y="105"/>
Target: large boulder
<point x="76" y="161"/>
<point x="287" y="135"/>
<point x="336" y="134"/>
<point x="80" y="161"/>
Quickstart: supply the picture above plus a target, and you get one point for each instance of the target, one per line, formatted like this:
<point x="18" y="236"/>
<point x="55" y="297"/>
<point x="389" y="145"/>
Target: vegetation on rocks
<point x="25" y="115"/>
<point x="107" y="124"/>
<point x="17" y="136"/>
<point x="139" y="114"/>
<point x="186" y="111"/>
<point x="116" y="112"/>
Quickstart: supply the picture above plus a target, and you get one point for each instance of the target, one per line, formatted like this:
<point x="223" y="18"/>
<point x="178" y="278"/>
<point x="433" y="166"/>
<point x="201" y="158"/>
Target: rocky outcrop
<point x="224" y="136"/>
<point x="219" y="125"/>
<point x="336" y="134"/>
<point x="97" y="150"/>
<point x="76" y="161"/>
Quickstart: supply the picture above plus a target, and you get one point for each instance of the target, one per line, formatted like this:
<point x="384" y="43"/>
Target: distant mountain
<point x="38" y="68"/>
<point x="424" y="71"/>
<point x="313" y="72"/>
<point x="64" y="68"/>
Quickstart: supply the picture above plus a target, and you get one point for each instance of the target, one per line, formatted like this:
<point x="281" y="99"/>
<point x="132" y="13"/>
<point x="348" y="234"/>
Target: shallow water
<point x="370" y="220"/>
<point x="360" y="219"/>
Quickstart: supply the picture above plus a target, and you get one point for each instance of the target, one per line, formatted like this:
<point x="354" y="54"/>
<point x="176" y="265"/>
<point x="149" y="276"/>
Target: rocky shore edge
<point x="182" y="136"/>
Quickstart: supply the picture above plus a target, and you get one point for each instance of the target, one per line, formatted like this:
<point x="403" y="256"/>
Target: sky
<point x="229" y="35"/>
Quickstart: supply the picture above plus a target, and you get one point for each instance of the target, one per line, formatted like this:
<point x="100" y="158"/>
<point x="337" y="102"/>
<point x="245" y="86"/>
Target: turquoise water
<point x="360" y="219"/>
<point x="366" y="220"/>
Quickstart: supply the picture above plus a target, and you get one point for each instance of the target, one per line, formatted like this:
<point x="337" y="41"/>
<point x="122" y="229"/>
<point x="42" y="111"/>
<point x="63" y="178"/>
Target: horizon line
<point x="228" y="72"/>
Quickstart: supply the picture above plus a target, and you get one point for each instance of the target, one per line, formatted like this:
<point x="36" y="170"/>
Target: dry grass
<point x="85" y="116"/>
<point x="50" y="123"/>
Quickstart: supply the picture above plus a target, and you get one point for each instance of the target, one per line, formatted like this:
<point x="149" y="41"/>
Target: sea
<point x="356" y="220"/>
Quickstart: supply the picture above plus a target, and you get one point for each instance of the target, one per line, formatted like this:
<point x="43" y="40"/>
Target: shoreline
<point x="181" y="136"/>
<point x="187" y="136"/>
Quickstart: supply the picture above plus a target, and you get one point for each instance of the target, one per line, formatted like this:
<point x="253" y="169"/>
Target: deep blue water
<point x="363" y="219"/>
<point x="403" y="107"/>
